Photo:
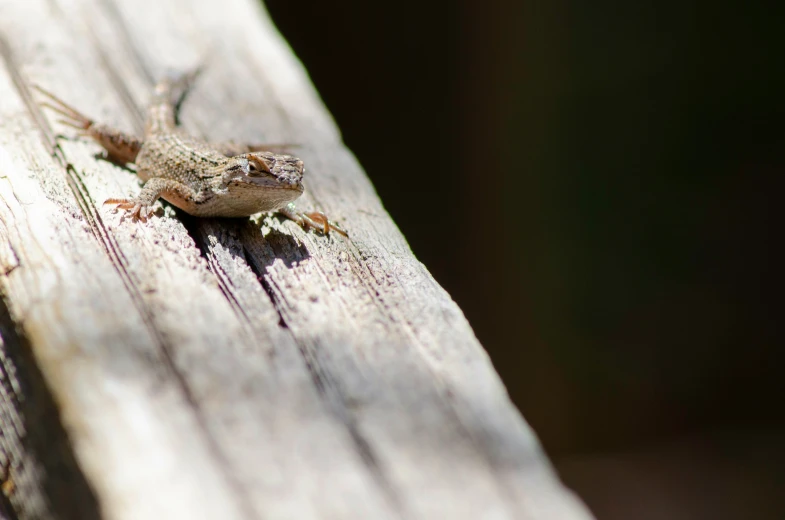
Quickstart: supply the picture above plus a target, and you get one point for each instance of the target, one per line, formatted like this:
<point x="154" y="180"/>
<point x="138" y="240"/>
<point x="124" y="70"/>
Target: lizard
<point x="204" y="180"/>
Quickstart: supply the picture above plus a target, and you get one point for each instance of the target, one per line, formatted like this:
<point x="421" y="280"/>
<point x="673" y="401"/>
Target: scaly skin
<point x="193" y="175"/>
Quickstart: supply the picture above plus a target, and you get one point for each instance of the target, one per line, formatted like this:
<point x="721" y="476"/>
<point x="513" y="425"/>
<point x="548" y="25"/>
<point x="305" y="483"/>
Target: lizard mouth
<point x="292" y="187"/>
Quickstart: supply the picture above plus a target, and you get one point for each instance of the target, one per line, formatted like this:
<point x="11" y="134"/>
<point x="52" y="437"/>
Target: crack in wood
<point x="96" y="225"/>
<point x="323" y="383"/>
<point x="22" y="87"/>
<point x="126" y="39"/>
<point x="119" y="86"/>
<point x="38" y="453"/>
<point x="326" y="386"/>
<point x="449" y="404"/>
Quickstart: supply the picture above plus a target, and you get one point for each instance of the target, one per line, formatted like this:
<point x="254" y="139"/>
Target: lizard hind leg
<point x="168" y="95"/>
<point x="121" y="147"/>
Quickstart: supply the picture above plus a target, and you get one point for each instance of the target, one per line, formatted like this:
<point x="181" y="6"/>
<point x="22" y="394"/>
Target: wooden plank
<point x="208" y="368"/>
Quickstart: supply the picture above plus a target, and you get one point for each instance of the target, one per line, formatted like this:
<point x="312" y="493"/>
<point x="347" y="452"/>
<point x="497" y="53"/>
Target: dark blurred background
<point x="604" y="180"/>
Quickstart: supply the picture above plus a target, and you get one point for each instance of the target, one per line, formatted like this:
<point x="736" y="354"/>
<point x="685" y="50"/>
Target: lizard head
<point x="270" y="180"/>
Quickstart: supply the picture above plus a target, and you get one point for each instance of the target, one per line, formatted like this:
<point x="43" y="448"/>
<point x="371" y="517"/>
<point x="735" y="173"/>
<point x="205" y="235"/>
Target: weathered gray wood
<point x="209" y="369"/>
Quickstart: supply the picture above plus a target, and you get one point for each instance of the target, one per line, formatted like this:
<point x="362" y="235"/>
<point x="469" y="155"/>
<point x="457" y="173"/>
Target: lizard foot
<point x="121" y="148"/>
<point x="312" y="220"/>
<point x="138" y="210"/>
<point x="73" y="117"/>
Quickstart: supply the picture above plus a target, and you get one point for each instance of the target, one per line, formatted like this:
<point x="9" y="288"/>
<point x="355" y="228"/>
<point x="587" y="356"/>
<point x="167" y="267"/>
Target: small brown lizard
<point x="202" y="179"/>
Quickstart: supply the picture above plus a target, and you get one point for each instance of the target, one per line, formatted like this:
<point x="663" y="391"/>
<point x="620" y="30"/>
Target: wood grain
<point x="205" y="368"/>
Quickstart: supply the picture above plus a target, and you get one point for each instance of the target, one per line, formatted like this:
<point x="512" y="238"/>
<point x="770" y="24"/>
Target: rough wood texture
<point x="207" y="369"/>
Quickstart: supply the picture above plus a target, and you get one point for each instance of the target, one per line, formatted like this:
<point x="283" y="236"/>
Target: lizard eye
<point x="257" y="167"/>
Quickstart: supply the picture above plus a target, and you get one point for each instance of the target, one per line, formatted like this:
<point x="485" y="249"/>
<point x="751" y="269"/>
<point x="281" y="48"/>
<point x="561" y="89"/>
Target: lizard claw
<point x="137" y="210"/>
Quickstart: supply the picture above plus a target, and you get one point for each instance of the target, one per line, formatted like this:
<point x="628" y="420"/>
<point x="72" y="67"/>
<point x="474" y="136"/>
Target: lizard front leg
<point x="314" y="219"/>
<point x="140" y="207"/>
<point x="121" y="147"/>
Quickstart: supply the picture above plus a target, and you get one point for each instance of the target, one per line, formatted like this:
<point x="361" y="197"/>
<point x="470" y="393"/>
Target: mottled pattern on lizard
<point x="226" y="180"/>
